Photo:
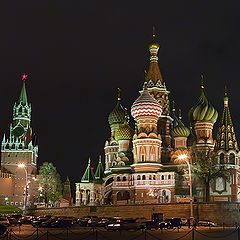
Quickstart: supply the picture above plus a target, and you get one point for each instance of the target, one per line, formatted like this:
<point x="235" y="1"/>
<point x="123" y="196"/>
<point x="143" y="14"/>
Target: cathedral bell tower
<point x="157" y="88"/>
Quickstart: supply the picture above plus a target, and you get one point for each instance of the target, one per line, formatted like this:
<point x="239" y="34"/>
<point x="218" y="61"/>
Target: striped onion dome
<point x="125" y="132"/>
<point x="203" y="110"/>
<point x="146" y="105"/>
<point x="180" y="130"/>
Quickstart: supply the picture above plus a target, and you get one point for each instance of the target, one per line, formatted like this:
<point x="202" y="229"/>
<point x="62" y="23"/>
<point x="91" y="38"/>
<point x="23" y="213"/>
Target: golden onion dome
<point x="125" y="132"/>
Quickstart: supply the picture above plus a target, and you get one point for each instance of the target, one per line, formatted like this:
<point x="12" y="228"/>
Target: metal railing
<point x="100" y="234"/>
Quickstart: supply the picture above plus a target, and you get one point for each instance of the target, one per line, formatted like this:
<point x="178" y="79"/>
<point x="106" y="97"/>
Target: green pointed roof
<point x="88" y="175"/>
<point x="99" y="171"/>
<point x="226" y="137"/>
<point x="23" y="95"/>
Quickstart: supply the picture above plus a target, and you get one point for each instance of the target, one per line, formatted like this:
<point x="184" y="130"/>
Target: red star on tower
<point x="24" y="77"/>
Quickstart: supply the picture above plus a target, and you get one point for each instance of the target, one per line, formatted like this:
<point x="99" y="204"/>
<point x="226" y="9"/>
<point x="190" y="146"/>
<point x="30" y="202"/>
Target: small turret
<point x="180" y="133"/>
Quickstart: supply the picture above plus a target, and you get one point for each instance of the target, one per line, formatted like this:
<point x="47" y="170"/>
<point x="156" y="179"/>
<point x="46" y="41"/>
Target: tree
<point x="206" y="169"/>
<point x="50" y="183"/>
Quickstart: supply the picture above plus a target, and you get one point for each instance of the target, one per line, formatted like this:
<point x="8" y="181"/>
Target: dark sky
<point x="77" y="53"/>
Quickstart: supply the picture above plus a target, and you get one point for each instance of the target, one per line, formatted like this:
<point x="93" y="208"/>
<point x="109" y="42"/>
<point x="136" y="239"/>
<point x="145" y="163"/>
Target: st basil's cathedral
<point x="141" y="165"/>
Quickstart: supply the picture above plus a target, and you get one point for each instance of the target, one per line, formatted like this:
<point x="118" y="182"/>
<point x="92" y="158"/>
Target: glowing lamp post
<point x="22" y="165"/>
<point x="183" y="157"/>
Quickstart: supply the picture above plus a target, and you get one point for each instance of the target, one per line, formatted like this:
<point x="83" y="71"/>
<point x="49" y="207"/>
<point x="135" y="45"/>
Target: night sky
<point x="77" y="53"/>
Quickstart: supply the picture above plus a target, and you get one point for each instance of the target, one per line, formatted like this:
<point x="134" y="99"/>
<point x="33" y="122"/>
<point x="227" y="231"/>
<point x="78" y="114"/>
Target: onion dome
<point x="118" y="115"/>
<point x="180" y="130"/>
<point x="146" y="105"/>
<point x="124" y="132"/>
<point x="203" y="110"/>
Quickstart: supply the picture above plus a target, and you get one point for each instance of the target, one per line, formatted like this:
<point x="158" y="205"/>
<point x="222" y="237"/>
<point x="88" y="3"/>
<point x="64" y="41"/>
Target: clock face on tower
<point x="18" y="131"/>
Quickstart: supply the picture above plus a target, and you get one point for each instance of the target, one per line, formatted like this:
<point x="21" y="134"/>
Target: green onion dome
<point x="118" y="115"/>
<point x="125" y="132"/>
<point x="203" y="110"/>
<point x="180" y="130"/>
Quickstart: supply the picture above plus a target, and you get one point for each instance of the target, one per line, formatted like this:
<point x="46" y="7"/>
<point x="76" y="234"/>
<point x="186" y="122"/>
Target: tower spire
<point x="23" y="95"/>
<point x="226" y="137"/>
<point x="154" y="77"/>
<point x="99" y="171"/>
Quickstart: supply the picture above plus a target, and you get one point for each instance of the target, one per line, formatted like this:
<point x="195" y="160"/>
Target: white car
<point x="206" y="223"/>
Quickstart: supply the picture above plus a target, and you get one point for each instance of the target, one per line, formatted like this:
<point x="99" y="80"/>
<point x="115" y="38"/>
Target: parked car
<point x="62" y="223"/>
<point x="102" y="222"/>
<point x="13" y="221"/>
<point x="83" y="222"/>
<point x="114" y="225"/>
<point x="206" y="223"/>
<point x="126" y="224"/>
<point x="26" y="219"/>
<point x="3" y="229"/>
<point x="4" y="221"/>
<point x="48" y="223"/>
<point x="184" y="221"/>
<point x="165" y="224"/>
<point x="93" y="221"/>
<point x="151" y="225"/>
<point x="38" y="221"/>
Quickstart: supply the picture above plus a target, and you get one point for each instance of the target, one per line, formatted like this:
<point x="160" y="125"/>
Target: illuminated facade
<point x="140" y="164"/>
<point x="19" y="147"/>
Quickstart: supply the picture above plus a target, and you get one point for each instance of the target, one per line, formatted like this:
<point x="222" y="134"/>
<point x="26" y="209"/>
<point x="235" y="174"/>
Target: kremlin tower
<point x="19" y="151"/>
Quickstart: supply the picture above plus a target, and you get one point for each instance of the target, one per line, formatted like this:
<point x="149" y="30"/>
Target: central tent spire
<point x="154" y="76"/>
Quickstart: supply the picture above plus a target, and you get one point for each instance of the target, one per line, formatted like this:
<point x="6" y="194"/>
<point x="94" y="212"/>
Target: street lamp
<point x="183" y="157"/>
<point x="22" y="165"/>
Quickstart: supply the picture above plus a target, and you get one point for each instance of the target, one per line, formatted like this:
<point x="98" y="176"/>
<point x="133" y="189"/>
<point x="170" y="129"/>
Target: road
<point x="79" y="233"/>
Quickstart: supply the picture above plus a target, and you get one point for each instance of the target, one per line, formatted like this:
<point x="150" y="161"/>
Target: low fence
<point x="100" y="234"/>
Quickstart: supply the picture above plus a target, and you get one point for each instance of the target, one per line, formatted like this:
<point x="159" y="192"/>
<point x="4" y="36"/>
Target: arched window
<point x="154" y="177"/>
<point x="150" y="177"/>
<point x="222" y="158"/>
<point x="152" y="154"/>
<point x="143" y="177"/>
<point x="162" y="177"/>
<point x="231" y="158"/>
<point x="138" y="177"/>
<point x="118" y="179"/>
<point x="142" y="153"/>
<point x="124" y="179"/>
<point x="169" y="176"/>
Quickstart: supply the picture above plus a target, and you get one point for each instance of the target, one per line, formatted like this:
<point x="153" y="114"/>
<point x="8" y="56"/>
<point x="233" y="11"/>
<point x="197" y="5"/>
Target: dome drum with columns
<point x="141" y="167"/>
